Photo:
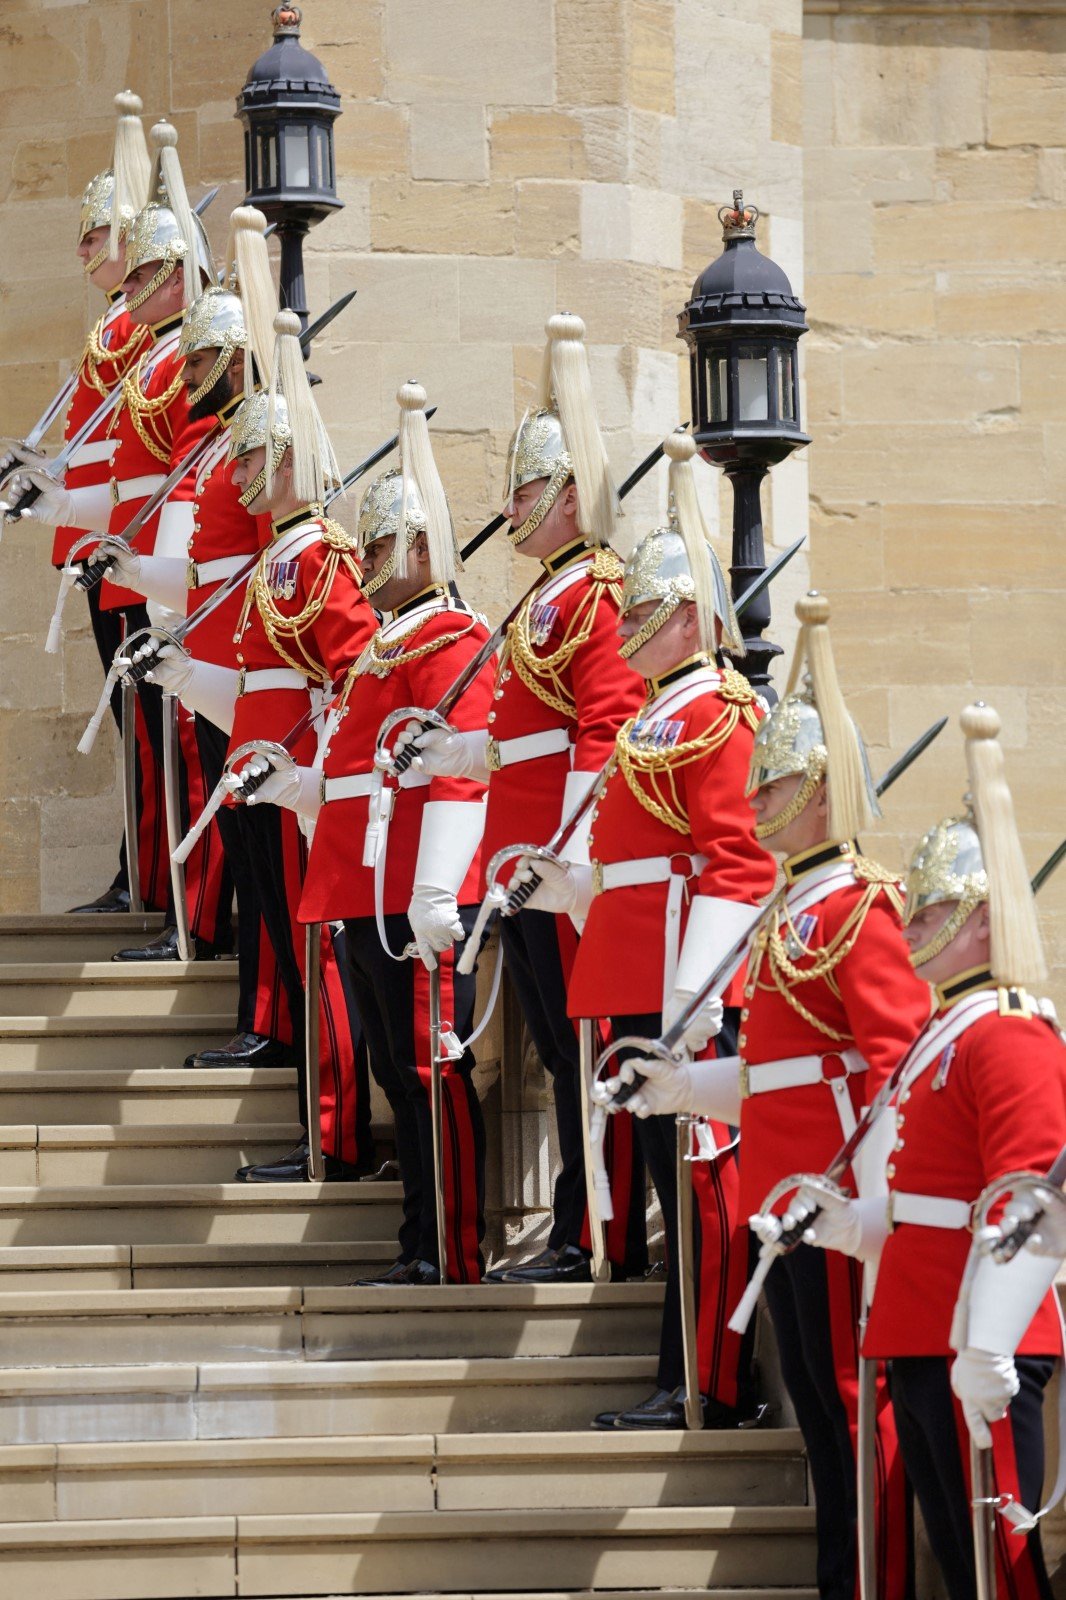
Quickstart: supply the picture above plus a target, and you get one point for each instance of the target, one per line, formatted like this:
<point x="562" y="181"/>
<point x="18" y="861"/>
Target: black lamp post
<point x="742" y="326"/>
<point x="288" y="107"/>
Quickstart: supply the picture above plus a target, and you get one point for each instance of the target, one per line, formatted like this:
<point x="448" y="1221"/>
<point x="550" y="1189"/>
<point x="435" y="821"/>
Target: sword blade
<point x="1054" y="860"/>
<point x="922" y="743"/>
<point x="51" y="411"/>
<point x="766" y="578"/>
<point x="313" y="329"/>
<point x="202" y="204"/>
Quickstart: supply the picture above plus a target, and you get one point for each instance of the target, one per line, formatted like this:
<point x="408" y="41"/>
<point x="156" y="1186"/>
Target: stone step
<point x="222" y="1213"/>
<point x="409" y="1552"/>
<point x="122" y="1324"/>
<point x="293" y="1399"/>
<point x="84" y="1154"/>
<point x="131" y="1042"/>
<point x="404" y="1472"/>
<point x="92" y="936"/>
<point x="101" y="991"/>
<point x="44" y="1269"/>
<point x="97" y="1095"/>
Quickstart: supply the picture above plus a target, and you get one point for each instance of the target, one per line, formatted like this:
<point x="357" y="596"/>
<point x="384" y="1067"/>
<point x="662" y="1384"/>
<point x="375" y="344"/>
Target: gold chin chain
<point x="785" y="975"/>
<point x="801" y="798"/>
<point x="96" y="352"/>
<point x="543" y="675"/>
<point x="560" y="476"/>
<point x="143" y="410"/>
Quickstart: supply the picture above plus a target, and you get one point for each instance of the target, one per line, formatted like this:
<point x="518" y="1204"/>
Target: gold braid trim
<point x="659" y="767"/>
<point x="378" y="663"/>
<point x="142" y="409"/>
<point x="96" y="352"/>
<point x="543" y="675"/>
<point x="785" y="975"/>
<point x="282" y="629"/>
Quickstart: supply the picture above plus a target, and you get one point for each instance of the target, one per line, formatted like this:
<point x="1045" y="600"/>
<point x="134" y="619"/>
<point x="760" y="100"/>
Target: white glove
<point x="445" y="753"/>
<point x="125" y="564"/>
<point x="704" y="1088"/>
<point x="1049" y="1236"/>
<point x="86" y="507"/>
<point x="448" y="842"/>
<point x="297" y="789"/>
<point x="713" y="927"/>
<point x="434" y="918"/>
<point x="558" y="889"/>
<point x="35" y="459"/>
<point x="173" y="668"/>
<point x="705" y="1024"/>
<point x="856" y="1228"/>
<point x="985" y="1384"/>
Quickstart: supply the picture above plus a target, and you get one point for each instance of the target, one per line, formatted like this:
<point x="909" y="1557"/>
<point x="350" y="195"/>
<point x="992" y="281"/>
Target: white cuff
<point x="174" y="530"/>
<point x="872" y="1214"/>
<point x="92" y="506"/>
<point x="212" y="691"/>
<point x="998" y="1302"/>
<point x="477" y="743"/>
<point x="161" y="579"/>
<point x="308" y="801"/>
<point x="716" y="1089"/>
<point x="577" y="786"/>
<point x="714" y="927"/>
<point x="449" y="841"/>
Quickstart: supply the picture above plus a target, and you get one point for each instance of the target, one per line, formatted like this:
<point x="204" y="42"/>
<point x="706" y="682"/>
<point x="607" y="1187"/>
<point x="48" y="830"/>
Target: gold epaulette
<point x="869" y="871"/>
<point x="336" y="537"/>
<point x="606" y="566"/>
<point x="736" y="688"/>
<point x="1015" y="1002"/>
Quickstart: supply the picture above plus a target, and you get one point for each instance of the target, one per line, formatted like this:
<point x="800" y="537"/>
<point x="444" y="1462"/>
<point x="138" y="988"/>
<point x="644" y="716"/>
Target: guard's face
<point x="196" y="368"/>
<point x="246" y="469"/>
<point x="969" y="948"/>
<point x="109" y="274"/>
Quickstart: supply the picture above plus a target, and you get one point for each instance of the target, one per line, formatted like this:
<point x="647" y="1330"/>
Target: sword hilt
<point x="645" y="1047"/>
<point x="29" y="497"/>
<point x="242" y="786"/>
<point x="93" y="574"/>
<point x="397" y="764"/>
<point x="251" y="781"/>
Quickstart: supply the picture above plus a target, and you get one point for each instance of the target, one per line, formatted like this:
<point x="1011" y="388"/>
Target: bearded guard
<point x="675" y="868"/>
<point x="415" y="892"/>
<point x="561" y="695"/>
<point x="303" y="622"/>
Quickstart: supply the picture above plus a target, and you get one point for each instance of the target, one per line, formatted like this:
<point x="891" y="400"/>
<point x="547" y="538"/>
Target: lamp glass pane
<point x="717" y="367"/>
<point x="296" y="158"/>
<point x="786" y="390"/>
<point x="268" y="163"/>
<point x="752" y="393"/>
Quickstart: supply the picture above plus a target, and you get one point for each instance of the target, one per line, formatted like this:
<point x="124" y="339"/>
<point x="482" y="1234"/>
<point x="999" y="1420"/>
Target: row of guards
<point x="385" y="779"/>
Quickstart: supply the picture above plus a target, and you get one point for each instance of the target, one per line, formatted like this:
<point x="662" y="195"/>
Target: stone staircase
<point x="193" y="1404"/>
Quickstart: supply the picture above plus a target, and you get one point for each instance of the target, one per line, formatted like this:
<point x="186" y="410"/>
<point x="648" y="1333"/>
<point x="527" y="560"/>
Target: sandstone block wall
<point x="497" y="162"/>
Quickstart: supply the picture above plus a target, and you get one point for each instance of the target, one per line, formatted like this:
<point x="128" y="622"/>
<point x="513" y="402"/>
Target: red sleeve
<point x="346" y="622"/>
<point x="436" y="673"/>
<point x="886" y="1002"/>
<point x="723" y="824"/>
<point x="1017" y="1070"/>
<point x="605" y="688"/>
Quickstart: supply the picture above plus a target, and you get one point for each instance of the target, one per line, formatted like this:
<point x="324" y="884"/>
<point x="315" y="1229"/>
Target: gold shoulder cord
<point x="658" y="767"/>
<point x="543" y="676"/>
<point x="143" y="410"/>
<point x="785" y="975"/>
<point x="96" y="352"/>
<point x="376" y="661"/>
<point x="280" y="627"/>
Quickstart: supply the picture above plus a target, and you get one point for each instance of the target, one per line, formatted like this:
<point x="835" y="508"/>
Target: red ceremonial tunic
<point x="560" y="672"/>
<point x="223" y="536"/>
<point x="992" y="1101"/>
<point x="687" y="755"/>
<point x="153" y="433"/>
<point x="111" y="349"/>
<point x="304" y="612"/>
<point x="391" y="674"/>
<point x="870" y="1000"/>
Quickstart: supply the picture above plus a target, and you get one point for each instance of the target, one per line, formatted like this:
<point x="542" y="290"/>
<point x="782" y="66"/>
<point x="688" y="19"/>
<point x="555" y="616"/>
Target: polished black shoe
<point x="568" y="1265"/>
<point x="395" y="1274"/>
<point x="406" y="1272"/>
<point x="654" y="1403"/>
<point x="165" y="948"/>
<point x="388" y="1172"/>
<point x="292" y="1168"/>
<point x="113" y="899"/>
<point x="243" y="1050"/>
<point x="664" y="1409"/>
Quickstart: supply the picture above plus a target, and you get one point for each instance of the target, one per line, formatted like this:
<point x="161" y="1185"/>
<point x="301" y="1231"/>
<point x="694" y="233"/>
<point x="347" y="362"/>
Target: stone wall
<point x="497" y="162"/>
<point x="936" y="278"/>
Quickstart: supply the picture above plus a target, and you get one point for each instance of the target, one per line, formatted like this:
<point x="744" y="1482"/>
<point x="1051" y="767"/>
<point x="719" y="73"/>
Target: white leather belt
<point x="646" y="869"/>
<point x="360" y="783"/>
<point x="929" y="1210"/>
<point x="269" y="678"/>
<point x="508" y="752"/>
<point x="200" y="572"/>
<point x="97" y="450"/>
<point x="135" y="488"/>
<point x="798" y="1072"/>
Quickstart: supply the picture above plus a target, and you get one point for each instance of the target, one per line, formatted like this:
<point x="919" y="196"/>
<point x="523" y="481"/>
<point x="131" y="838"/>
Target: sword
<point x="866" y="1462"/>
<point x="59" y="401"/>
<point x="172" y="804"/>
<point x="670" y="1046"/>
<point x="437" y="1121"/>
<point x="506" y="904"/>
<point x="129" y="794"/>
<point x="59" y="464"/>
<point x="437" y="717"/>
<point x="983" y="1503"/>
<point x="597" y="1179"/>
<point x="686" y="1286"/>
<point x="312" y="1065"/>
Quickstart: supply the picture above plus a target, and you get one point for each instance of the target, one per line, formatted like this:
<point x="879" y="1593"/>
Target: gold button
<point x="491" y="717"/>
<point x="899" y="1144"/>
<point x="742" y="1039"/>
<point x="890" y="1170"/>
<point x="904" y="1097"/>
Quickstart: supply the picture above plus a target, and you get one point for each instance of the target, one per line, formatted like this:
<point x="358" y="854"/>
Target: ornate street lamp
<point x="742" y="327"/>
<point x="288" y="107"/>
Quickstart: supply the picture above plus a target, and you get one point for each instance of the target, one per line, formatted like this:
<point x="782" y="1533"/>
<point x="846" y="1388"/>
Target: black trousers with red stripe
<point x="393" y="1001"/>
<point x="539" y="967"/>
<point x="725" y="1358"/>
<point x="107" y="632"/>
<point x="936" y="1453"/>
<point x="213" y="744"/>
